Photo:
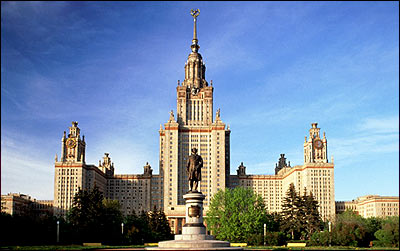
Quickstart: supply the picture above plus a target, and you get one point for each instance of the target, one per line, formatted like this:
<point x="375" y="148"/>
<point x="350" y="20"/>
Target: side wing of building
<point x="316" y="175"/>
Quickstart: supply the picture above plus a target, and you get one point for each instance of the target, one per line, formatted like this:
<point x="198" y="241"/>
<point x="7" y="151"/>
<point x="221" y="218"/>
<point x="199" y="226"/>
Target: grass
<point x="66" y="247"/>
<point x="277" y="248"/>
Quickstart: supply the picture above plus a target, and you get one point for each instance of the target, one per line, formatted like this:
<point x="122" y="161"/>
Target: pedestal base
<point x="195" y="245"/>
<point x="194" y="235"/>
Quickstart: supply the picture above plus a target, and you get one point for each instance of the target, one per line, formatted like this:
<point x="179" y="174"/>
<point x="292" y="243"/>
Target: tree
<point x="319" y="239"/>
<point x="292" y="213"/>
<point x="236" y="215"/>
<point x="349" y="230"/>
<point x="94" y="218"/>
<point x="138" y="229"/>
<point x="152" y="226"/>
<point x="159" y="225"/>
<point x="27" y="229"/>
<point x="388" y="236"/>
<point x="373" y="224"/>
<point x="312" y="219"/>
<point x="300" y="216"/>
<point x="86" y="208"/>
<point x="111" y="220"/>
<point x="273" y="221"/>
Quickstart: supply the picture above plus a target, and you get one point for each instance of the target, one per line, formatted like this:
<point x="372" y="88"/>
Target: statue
<point x="194" y="165"/>
<point x="218" y="114"/>
<point x="171" y="115"/>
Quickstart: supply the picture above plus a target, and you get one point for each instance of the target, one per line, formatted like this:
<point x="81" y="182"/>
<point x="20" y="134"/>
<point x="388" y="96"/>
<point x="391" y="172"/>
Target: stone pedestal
<point x="194" y="228"/>
<point x="194" y="234"/>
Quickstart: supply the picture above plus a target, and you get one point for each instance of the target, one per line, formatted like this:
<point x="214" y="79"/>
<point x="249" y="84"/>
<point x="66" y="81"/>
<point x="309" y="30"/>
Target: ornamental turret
<point x="107" y="167"/>
<point x="73" y="146"/>
<point x="315" y="147"/>
<point x="281" y="164"/>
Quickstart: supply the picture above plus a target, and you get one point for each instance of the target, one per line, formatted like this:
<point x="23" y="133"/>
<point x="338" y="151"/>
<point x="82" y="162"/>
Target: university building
<point x="316" y="175"/>
<point x="23" y="205"/>
<point x="371" y="206"/>
<point x="193" y="126"/>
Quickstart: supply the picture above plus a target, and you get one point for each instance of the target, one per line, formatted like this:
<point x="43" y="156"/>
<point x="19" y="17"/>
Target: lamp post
<point x="330" y="228"/>
<point x="122" y="232"/>
<point x="58" y="231"/>
<point x="265" y="232"/>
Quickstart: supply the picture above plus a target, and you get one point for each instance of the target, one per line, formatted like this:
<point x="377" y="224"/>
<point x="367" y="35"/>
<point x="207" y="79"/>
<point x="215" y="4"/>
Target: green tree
<point x="111" y="220"/>
<point x="152" y="226"/>
<point x="292" y="213"/>
<point x="86" y="209"/>
<point x="27" y="229"/>
<point x="300" y="216"/>
<point x="319" y="239"/>
<point x="373" y="224"/>
<point x="388" y="236"/>
<point x="272" y="222"/>
<point x="236" y="215"/>
<point x="138" y="229"/>
<point x="159" y="225"/>
<point x="312" y="219"/>
<point x="94" y="218"/>
<point x="349" y="229"/>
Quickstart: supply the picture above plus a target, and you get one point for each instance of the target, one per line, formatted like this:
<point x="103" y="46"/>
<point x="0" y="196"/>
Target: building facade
<point x="316" y="175"/>
<point x="23" y="205"/>
<point x="133" y="191"/>
<point x="194" y="126"/>
<point x="371" y="206"/>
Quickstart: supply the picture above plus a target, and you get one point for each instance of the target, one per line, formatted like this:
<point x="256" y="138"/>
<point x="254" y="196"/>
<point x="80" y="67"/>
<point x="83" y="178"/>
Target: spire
<point x="194" y="67"/>
<point x="195" y="47"/>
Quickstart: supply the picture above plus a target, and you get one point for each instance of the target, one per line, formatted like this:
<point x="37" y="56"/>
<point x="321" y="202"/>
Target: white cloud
<point x="371" y="136"/>
<point x="380" y="125"/>
<point x="25" y="169"/>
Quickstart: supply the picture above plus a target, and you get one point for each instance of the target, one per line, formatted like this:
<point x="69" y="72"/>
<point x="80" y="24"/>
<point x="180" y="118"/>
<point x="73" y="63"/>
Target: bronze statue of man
<point x="194" y="165"/>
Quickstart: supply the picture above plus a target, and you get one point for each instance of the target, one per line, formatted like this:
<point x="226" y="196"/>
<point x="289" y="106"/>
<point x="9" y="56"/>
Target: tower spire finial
<point x="195" y="13"/>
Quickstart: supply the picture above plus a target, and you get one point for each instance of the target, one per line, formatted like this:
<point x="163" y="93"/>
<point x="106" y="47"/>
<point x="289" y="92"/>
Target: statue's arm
<point x="201" y="162"/>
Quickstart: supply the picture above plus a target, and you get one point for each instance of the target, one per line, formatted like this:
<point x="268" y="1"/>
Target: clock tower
<point x="315" y="147"/>
<point x="70" y="171"/>
<point x="73" y="147"/>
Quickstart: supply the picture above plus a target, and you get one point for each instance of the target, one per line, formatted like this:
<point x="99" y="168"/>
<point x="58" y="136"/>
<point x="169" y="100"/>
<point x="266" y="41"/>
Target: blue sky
<point x="276" y="68"/>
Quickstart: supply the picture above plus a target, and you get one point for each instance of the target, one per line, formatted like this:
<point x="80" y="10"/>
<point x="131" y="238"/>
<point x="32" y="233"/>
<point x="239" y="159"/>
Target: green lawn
<point x="67" y="247"/>
<point x="315" y="248"/>
<point x="79" y="247"/>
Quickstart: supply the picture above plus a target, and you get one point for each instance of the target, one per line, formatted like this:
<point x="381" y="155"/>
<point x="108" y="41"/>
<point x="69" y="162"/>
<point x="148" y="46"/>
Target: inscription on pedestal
<point x="194" y="211"/>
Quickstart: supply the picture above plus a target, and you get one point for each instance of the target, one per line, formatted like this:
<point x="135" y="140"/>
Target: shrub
<point x="388" y="236"/>
<point x="319" y="239"/>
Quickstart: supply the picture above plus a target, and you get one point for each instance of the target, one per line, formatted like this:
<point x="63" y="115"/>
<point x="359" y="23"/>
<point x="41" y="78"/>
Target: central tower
<point x="193" y="127"/>
<point x="194" y="96"/>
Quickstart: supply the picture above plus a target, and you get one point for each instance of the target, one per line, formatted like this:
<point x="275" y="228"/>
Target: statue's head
<point x="194" y="150"/>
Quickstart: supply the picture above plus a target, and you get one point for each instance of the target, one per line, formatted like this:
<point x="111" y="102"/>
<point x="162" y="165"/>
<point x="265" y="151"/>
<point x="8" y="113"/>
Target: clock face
<point x="71" y="143"/>
<point x="195" y="91"/>
<point x="318" y="144"/>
